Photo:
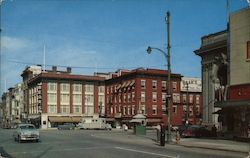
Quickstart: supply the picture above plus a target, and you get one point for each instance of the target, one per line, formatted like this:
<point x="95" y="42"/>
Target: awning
<point x="110" y="119"/>
<point x="127" y="84"/>
<point x="136" y="121"/>
<point x="224" y="104"/>
<point x="75" y="119"/>
<point x="154" y="120"/>
<point x="217" y="112"/>
<point x="123" y="85"/>
<point x="118" y="87"/>
<point x="132" y="83"/>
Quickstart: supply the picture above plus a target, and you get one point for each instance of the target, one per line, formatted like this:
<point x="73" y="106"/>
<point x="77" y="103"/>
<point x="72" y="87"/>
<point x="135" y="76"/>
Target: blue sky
<point x="105" y="35"/>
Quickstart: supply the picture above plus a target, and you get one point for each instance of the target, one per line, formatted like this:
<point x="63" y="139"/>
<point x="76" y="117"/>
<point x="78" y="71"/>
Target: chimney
<point x="68" y="69"/>
<point x="54" y="68"/>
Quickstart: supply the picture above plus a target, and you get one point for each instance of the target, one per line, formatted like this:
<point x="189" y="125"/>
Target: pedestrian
<point x="214" y="131"/>
<point x="158" y="130"/>
<point x="177" y="136"/>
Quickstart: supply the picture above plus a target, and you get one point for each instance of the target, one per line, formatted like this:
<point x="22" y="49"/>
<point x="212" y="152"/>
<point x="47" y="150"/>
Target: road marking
<point x="60" y="150"/>
<point x="145" y="152"/>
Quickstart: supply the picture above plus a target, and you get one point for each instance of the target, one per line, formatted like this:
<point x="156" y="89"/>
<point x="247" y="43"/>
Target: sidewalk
<point x="214" y="144"/>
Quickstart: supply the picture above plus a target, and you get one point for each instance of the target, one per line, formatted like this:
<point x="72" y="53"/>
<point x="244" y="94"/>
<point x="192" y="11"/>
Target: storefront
<point x="235" y="118"/>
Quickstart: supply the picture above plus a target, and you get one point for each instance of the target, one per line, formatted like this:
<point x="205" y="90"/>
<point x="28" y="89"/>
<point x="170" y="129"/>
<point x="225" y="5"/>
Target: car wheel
<point x="37" y="140"/>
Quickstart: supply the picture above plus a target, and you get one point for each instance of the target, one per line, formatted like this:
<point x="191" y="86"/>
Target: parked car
<point x="26" y="132"/>
<point x="66" y="126"/>
<point x="196" y="131"/>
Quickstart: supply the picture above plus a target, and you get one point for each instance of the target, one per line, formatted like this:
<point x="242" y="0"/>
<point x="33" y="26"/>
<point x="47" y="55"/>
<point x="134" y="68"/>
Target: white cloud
<point x="13" y="44"/>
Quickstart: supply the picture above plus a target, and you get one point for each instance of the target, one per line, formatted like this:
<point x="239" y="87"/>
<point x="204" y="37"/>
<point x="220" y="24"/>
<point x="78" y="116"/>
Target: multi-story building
<point x="213" y="53"/>
<point x="226" y="75"/>
<point x="191" y="100"/>
<point x="142" y="91"/>
<point x="57" y="97"/>
<point x="12" y="106"/>
<point x="28" y="73"/>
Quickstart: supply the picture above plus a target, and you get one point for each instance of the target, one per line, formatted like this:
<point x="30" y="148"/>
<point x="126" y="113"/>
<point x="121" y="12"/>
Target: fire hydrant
<point x="177" y="137"/>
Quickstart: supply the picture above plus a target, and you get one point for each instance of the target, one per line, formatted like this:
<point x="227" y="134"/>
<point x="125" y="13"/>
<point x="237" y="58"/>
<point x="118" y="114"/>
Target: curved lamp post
<point x="167" y="56"/>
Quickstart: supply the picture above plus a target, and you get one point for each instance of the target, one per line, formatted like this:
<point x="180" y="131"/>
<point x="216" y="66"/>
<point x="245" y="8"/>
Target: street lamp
<point x="167" y="56"/>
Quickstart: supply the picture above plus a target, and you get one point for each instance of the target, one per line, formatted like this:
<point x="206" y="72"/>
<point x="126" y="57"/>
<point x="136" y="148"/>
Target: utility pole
<point x="187" y="111"/>
<point x="169" y="78"/>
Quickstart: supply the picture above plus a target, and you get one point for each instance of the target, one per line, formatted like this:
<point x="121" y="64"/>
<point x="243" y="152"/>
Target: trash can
<point x="140" y="130"/>
<point x="162" y="139"/>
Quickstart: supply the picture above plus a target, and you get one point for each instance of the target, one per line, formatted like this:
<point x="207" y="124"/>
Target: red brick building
<point x="142" y="91"/>
<point x="56" y="97"/>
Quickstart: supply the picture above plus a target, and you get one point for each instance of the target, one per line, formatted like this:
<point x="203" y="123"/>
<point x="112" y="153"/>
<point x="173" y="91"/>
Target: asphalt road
<point x="98" y="144"/>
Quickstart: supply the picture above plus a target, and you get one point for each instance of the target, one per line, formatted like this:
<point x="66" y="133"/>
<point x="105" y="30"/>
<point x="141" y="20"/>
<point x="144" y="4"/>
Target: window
<point x="143" y="84"/>
<point x="164" y="95"/>
<point x="51" y="97"/>
<point x="248" y="49"/>
<point x="191" y="98"/>
<point x="51" y="86"/>
<point x="143" y="109"/>
<point x="142" y="96"/>
<point x="174" y="109"/>
<point x="154" y="109"/>
<point x="190" y="110"/>
<point x="89" y="87"/>
<point x="154" y="96"/>
<point x="77" y="109"/>
<point x="133" y="96"/>
<point x="101" y="89"/>
<point x="176" y="98"/>
<point x="184" y="97"/>
<point x="184" y="108"/>
<point x="129" y="110"/>
<point x="154" y="84"/>
<point x="129" y="97"/>
<point x="133" y="109"/>
<point x="89" y="99"/>
<point x="124" y="110"/>
<point x="164" y="110"/>
<point x="77" y="98"/>
<point x="197" y="109"/>
<point x="197" y="99"/>
<point x="174" y="86"/>
<point x="64" y="109"/>
<point x="64" y="87"/>
<point x="164" y="85"/>
<point x="64" y="98"/>
<point x="77" y="88"/>
<point x="52" y="108"/>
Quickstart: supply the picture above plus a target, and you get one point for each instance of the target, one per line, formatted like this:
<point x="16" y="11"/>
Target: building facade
<point x="12" y="106"/>
<point x="226" y="82"/>
<point x="142" y="91"/>
<point x="191" y="100"/>
<point x="57" y="97"/>
<point x="213" y="53"/>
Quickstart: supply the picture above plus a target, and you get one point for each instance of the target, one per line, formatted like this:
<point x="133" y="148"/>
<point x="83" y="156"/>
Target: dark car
<point x="66" y="126"/>
<point x="196" y="131"/>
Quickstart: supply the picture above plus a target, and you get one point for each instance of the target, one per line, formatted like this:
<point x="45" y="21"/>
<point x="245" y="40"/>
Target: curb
<point x="207" y="147"/>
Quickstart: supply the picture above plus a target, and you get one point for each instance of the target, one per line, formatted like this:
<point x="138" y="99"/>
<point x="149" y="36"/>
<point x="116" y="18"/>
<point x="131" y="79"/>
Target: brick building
<point x="191" y="100"/>
<point x="57" y="97"/>
<point x="142" y="91"/>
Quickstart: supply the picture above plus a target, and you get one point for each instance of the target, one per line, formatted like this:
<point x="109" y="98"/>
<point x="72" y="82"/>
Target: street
<point x="98" y="144"/>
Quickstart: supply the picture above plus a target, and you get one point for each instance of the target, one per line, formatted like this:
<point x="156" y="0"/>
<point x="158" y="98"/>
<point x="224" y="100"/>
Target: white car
<point x="26" y="132"/>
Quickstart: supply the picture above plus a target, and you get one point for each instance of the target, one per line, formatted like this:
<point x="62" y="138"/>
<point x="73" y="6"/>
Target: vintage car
<point x="196" y="131"/>
<point x="25" y="132"/>
<point x="66" y="126"/>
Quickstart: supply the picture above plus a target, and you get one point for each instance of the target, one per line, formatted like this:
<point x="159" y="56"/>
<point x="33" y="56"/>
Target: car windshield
<point x="27" y="127"/>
